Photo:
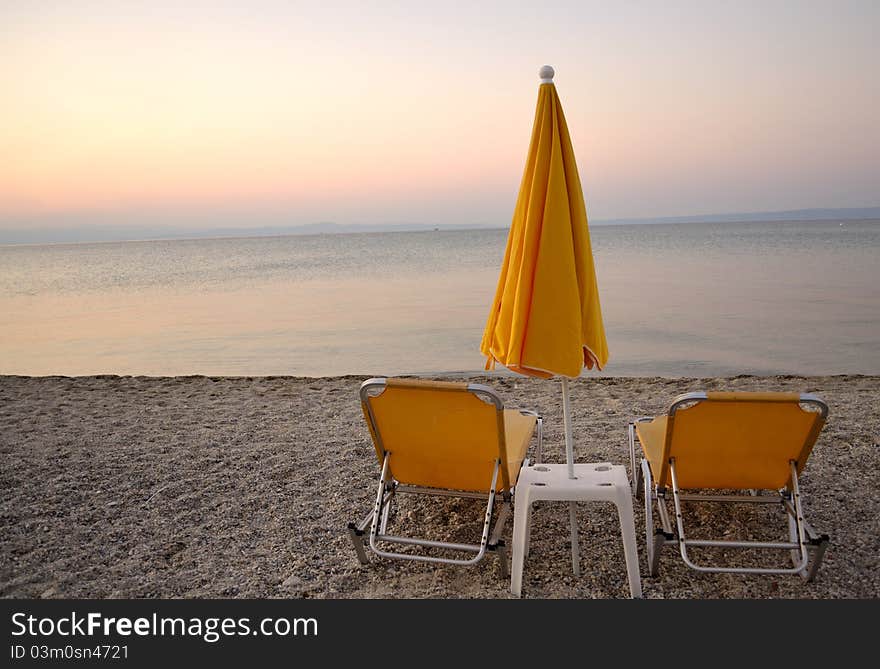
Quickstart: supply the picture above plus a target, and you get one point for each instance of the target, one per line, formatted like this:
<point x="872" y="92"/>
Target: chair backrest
<point x="740" y="439"/>
<point x="438" y="434"/>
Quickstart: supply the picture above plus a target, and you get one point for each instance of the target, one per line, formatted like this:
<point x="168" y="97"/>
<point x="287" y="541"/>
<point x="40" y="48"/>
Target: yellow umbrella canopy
<point x="546" y="319"/>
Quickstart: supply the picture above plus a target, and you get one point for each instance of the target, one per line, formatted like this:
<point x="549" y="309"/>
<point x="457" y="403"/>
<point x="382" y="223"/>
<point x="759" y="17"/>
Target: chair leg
<point x="500" y="522"/>
<point x="630" y="548"/>
<point x="633" y="469"/>
<point x="357" y="538"/>
<point x="818" y="553"/>
<point x="656" y="544"/>
<point x="502" y="560"/>
<point x="386" y="510"/>
<point x="793" y="537"/>
<point x="637" y="489"/>
<point x="575" y="547"/>
<point x="495" y="541"/>
<point x="652" y="545"/>
<point x="818" y="544"/>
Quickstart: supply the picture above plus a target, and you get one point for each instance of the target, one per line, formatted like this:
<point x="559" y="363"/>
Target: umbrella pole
<point x="569" y="458"/>
<point x="566" y="417"/>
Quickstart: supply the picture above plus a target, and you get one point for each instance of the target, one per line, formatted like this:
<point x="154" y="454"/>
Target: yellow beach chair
<point x="732" y="441"/>
<point x="448" y="439"/>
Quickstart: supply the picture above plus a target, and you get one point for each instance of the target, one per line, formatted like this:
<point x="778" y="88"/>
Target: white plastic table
<point x="593" y="482"/>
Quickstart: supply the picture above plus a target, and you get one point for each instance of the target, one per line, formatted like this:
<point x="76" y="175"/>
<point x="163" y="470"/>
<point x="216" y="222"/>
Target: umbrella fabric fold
<point x="546" y="319"/>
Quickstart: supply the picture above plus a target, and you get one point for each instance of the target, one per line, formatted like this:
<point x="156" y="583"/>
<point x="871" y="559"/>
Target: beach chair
<point x="716" y="445"/>
<point x="445" y="439"/>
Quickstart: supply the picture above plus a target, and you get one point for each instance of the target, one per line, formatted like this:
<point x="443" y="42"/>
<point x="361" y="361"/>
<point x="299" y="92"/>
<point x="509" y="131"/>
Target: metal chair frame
<point x="803" y="538"/>
<point x="378" y="517"/>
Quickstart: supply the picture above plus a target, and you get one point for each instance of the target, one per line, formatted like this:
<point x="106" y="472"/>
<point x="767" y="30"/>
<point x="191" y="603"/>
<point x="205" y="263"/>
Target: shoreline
<point x="202" y="486"/>
<point x="487" y="374"/>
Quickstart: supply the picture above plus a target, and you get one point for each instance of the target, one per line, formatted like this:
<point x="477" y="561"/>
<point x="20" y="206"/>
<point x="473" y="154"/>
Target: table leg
<point x="630" y="548"/>
<point x="520" y="526"/>
<point x="575" y="548"/>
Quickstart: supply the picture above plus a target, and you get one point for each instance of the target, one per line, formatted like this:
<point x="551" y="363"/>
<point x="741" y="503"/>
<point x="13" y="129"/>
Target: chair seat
<point x="518" y="431"/>
<point x="652" y="436"/>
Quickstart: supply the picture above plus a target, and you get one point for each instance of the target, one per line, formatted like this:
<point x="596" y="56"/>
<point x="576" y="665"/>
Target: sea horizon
<point x="32" y="237"/>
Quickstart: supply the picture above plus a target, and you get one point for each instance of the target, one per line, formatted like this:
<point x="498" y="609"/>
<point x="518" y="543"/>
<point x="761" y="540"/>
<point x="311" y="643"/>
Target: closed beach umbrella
<point x="546" y="320"/>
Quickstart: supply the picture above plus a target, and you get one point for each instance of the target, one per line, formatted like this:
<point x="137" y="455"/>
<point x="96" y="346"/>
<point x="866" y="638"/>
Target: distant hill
<point x="118" y="233"/>
<point x="844" y="214"/>
<point x="112" y="233"/>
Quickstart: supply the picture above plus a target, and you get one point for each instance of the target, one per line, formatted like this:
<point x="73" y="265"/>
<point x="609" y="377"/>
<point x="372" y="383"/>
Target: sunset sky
<point x="248" y="113"/>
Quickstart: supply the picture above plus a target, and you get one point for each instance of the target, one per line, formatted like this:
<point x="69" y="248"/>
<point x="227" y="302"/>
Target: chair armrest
<point x="540" y="422"/>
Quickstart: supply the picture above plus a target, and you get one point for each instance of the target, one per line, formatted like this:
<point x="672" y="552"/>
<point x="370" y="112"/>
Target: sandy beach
<point x="242" y="487"/>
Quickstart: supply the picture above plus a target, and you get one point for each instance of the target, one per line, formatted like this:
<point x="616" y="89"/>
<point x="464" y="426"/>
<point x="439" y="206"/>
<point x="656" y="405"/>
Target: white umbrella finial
<point x="546" y="73"/>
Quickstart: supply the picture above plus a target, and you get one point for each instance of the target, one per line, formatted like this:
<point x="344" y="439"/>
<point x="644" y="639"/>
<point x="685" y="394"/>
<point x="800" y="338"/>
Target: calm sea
<point x="690" y="299"/>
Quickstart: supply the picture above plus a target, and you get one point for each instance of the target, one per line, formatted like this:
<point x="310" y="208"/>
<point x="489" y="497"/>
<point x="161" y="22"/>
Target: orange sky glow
<point x="422" y="113"/>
